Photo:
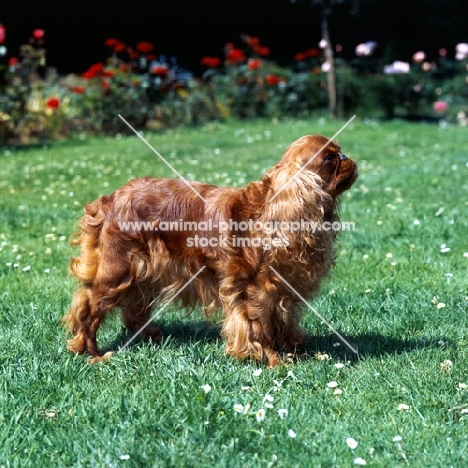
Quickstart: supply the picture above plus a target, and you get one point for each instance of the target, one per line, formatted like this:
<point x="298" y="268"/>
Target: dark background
<point x="75" y="32"/>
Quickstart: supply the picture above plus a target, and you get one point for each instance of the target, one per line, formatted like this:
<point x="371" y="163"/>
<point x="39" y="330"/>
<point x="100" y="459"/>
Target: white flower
<point x="268" y="398"/>
<point x="332" y="384"/>
<point x="360" y="461"/>
<point x="462" y="386"/>
<point x="339" y="365"/>
<point x="397" y="438"/>
<point x="260" y="415"/>
<point x="389" y="255"/>
<point x="257" y="373"/>
<point x="416" y="222"/>
<point x="282" y="413"/>
<point x="291" y="434"/>
<point x="403" y="407"/>
<point x="440" y="305"/>
<point x="445" y="249"/>
<point x="125" y="457"/>
<point x="206" y="388"/>
<point x="351" y="443"/>
<point x="269" y="406"/>
<point x="337" y="391"/>
<point x="238" y="408"/>
<point x="465" y="254"/>
<point x="446" y="365"/>
<point x="245" y="388"/>
<point x="27" y="268"/>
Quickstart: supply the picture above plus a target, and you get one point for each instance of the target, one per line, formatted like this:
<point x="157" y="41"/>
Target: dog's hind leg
<point x="137" y="318"/>
<point x="83" y="320"/>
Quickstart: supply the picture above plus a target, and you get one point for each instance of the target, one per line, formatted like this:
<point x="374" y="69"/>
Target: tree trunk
<point x="330" y="60"/>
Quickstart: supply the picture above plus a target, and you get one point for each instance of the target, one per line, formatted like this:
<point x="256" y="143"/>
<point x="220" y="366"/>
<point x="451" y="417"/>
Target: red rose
<point x="108" y="73"/>
<point x="111" y="42"/>
<point x="12" y="61"/>
<point x="272" y="80"/>
<point x="38" y="33"/>
<point x="145" y="47"/>
<point x="254" y="64"/>
<point x="260" y="50"/>
<point x="300" y="56"/>
<point x="79" y="89"/>
<point x="93" y="70"/>
<point x="312" y="53"/>
<point x="159" y="70"/>
<point x="251" y="41"/>
<point x="53" y="103"/>
<point x="211" y="62"/>
<point x="234" y="56"/>
<point x="119" y="47"/>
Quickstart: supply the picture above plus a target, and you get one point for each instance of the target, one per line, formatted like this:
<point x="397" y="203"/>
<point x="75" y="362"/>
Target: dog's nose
<point x="343" y="157"/>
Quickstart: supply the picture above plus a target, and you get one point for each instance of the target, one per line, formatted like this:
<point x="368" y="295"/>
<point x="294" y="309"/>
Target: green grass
<point x="146" y="406"/>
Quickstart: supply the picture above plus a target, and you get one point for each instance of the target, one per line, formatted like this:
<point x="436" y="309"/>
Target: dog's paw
<point x="102" y="358"/>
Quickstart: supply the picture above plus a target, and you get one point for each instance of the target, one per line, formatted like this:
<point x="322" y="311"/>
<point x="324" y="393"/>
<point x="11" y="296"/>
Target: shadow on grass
<point x="371" y="345"/>
<point x="367" y="345"/>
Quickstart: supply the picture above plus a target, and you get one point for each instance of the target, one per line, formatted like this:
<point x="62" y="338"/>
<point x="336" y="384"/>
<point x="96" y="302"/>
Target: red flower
<point x="150" y="57"/>
<point x="234" y="56"/>
<point x="93" y="70"/>
<point x="254" y="64"/>
<point x="119" y="47"/>
<point x="440" y="106"/>
<point x="272" y="80"/>
<point x="79" y="89"/>
<point x="312" y="53"/>
<point x="300" y="56"/>
<point x="260" y="50"/>
<point x="159" y="70"/>
<point x="38" y="33"/>
<point x="251" y="41"/>
<point x="145" y="47"/>
<point x="12" y="61"/>
<point x="108" y="73"/>
<point x="111" y="42"/>
<point x="53" y="103"/>
<point x="211" y="62"/>
<point x="105" y="85"/>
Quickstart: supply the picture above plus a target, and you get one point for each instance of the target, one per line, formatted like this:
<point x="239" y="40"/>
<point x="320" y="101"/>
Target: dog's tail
<point x="85" y="267"/>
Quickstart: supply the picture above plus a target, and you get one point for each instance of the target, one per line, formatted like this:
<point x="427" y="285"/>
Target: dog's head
<point x="317" y="156"/>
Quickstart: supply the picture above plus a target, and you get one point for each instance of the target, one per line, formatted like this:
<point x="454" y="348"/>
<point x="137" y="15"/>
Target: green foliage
<point x="154" y="92"/>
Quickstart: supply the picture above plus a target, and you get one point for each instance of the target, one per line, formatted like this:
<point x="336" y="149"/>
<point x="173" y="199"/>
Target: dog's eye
<point x="330" y="157"/>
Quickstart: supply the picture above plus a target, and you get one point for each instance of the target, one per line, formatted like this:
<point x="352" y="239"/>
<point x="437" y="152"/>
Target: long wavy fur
<point x="135" y="269"/>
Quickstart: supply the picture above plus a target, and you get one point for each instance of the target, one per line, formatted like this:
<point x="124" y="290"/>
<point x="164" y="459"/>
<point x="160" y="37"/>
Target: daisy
<point x="260" y="415"/>
<point x="257" y="373"/>
<point x="403" y="407"/>
<point x="206" y="388"/>
<point x="360" y="461"/>
<point x="268" y="398"/>
<point x="397" y="438"/>
<point x="238" y="408"/>
<point x="282" y="413"/>
<point x="291" y="434"/>
<point x="351" y="443"/>
<point x="339" y="365"/>
<point x="332" y="384"/>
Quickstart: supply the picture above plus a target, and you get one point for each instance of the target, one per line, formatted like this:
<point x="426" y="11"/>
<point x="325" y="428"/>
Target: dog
<point x="249" y="253"/>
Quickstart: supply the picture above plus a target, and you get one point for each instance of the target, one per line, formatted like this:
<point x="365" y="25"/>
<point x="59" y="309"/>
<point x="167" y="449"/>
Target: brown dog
<point x="147" y="240"/>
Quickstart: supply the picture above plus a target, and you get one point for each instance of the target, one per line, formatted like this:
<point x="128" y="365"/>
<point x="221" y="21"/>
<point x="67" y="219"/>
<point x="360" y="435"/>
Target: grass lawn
<point x="399" y="294"/>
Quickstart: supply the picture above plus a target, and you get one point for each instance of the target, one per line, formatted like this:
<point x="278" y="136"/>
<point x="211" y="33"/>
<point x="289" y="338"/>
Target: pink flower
<point x="461" y="51"/>
<point x="366" y="49"/>
<point x="440" y="106"/>
<point x="38" y="33"/>
<point x="419" y="57"/>
<point x="396" y="67"/>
